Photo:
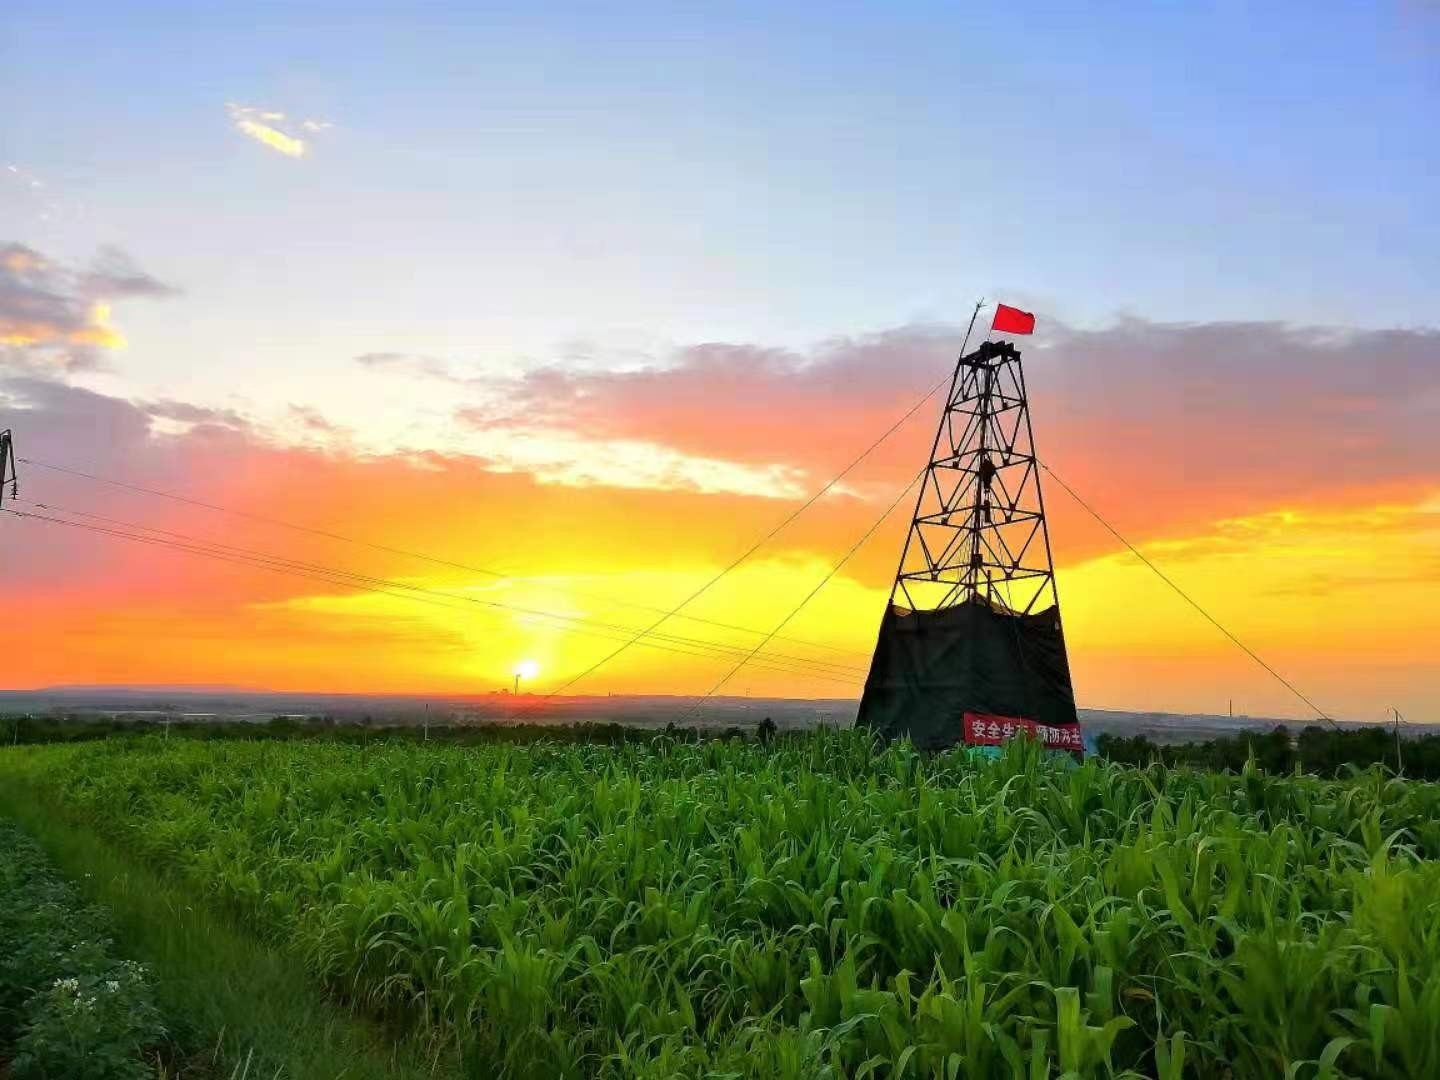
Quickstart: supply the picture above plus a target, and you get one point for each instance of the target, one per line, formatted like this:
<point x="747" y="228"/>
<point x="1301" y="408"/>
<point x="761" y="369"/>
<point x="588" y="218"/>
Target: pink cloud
<point x="1163" y="425"/>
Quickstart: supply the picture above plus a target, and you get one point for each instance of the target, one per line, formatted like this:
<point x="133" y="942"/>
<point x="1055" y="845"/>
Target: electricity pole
<point x="9" y="474"/>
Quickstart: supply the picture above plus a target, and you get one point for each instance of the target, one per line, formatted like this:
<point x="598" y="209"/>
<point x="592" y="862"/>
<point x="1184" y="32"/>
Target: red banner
<point x="987" y="729"/>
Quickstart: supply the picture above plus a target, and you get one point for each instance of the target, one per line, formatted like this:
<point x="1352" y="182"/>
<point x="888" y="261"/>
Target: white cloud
<point x="572" y="461"/>
<point x="271" y="128"/>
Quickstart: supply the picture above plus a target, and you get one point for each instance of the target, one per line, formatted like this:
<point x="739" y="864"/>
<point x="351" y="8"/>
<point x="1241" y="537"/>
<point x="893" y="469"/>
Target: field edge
<point x="228" y="997"/>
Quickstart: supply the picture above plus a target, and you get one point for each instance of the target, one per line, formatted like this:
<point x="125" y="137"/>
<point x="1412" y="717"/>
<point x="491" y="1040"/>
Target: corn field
<point x="813" y="908"/>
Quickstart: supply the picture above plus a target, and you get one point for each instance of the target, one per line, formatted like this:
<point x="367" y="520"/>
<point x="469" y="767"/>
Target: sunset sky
<point x="582" y="301"/>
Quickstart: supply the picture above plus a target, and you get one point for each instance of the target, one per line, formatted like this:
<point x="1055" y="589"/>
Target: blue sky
<point x="501" y="182"/>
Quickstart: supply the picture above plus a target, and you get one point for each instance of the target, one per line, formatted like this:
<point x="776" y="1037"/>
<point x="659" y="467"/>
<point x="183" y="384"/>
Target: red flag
<point x="1009" y="320"/>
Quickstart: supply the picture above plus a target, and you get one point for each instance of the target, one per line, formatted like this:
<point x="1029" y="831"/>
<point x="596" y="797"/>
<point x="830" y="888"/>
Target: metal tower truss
<point x="979" y="532"/>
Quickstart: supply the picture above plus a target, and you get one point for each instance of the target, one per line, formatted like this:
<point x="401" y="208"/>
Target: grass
<point x="813" y="908"/>
<point x="234" y="1007"/>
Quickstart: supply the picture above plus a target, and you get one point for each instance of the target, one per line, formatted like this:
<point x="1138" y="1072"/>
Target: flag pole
<point x="949" y="397"/>
<point x="973" y="316"/>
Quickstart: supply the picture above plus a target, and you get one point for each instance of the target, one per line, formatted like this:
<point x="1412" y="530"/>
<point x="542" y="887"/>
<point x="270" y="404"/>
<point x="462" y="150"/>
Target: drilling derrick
<point x="971" y="647"/>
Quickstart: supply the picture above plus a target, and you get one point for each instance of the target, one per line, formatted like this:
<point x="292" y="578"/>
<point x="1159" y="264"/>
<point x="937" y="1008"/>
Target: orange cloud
<point x="1340" y="599"/>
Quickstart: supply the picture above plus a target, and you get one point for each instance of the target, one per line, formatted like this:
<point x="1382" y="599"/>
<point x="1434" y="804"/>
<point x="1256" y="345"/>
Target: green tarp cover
<point x="933" y="667"/>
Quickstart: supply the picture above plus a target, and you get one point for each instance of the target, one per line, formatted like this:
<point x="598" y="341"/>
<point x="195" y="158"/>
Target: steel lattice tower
<point x="979" y="532"/>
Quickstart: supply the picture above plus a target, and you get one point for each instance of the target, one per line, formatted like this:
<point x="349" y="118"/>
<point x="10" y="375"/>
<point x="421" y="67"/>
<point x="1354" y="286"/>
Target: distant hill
<point x="233" y="703"/>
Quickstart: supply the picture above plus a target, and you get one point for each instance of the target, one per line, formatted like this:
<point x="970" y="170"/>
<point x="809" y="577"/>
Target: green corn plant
<point x="814" y="907"/>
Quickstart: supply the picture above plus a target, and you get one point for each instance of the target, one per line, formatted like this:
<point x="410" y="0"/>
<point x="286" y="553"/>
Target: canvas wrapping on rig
<point x="932" y="668"/>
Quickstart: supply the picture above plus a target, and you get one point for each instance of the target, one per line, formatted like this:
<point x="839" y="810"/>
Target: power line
<point x="758" y="544"/>
<point x="1186" y="596"/>
<point x="332" y="575"/>
<point x="420" y="594"/>
<point x="676" y="643"/>
<point x="389" y="549"/>
<point x="269" y="560"/>
<point x="342" y="578"/>
<point x="370" y="579"/>
<point x="865" y="536"/>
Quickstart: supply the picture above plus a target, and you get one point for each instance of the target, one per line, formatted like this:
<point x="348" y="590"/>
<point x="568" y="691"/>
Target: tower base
<point x="970" y="674"/>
